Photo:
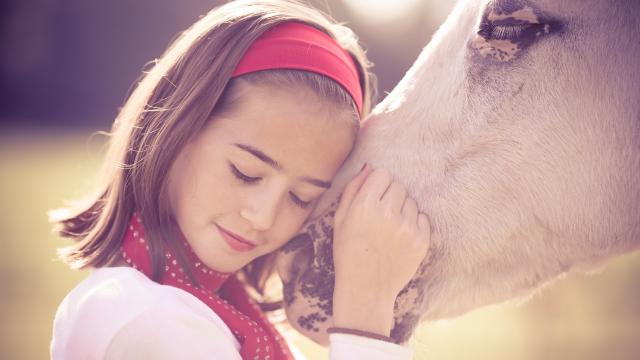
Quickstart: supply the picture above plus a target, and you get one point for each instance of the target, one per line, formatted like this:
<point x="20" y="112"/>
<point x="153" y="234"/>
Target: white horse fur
<point x="517" y="130"/>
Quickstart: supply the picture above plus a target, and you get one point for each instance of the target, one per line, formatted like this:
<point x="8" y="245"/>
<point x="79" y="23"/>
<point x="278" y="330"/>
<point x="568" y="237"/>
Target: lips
<point x="235" y="242"/>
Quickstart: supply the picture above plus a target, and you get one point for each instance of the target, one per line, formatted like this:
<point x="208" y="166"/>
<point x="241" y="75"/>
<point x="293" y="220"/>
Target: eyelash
<point x="243" y="177"/>
<point x="252" y="180"/>
<point x="508" y="32"/>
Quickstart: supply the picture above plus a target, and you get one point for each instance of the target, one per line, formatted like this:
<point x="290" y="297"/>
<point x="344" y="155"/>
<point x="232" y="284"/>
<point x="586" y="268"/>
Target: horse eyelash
<point x="508" y="32"/>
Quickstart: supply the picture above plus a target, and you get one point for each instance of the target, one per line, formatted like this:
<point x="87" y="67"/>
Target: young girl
<point x="215" y="161"/>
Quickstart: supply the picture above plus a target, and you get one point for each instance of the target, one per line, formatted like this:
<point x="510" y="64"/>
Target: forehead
<point x="294" y="126"/>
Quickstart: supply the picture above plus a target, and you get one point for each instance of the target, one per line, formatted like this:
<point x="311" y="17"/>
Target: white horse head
<point x="517" y="130"/>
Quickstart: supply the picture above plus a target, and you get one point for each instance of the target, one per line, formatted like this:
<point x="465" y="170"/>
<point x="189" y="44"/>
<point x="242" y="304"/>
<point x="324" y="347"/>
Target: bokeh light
<point x="375" y="11"/>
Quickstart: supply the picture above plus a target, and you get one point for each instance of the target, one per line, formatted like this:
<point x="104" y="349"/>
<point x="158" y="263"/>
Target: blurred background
<point x="65" y="67"/>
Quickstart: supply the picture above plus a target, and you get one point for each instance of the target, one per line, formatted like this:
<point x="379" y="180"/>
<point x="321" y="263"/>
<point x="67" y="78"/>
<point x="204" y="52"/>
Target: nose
<point x="261" y="208"/>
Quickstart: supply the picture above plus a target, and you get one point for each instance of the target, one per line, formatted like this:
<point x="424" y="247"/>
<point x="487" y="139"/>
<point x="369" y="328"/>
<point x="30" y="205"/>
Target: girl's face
<point x="246" y="183"/>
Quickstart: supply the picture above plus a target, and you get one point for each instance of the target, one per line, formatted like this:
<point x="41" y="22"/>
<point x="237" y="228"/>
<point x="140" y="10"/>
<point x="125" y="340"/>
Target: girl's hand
<point x="380" y="240"/>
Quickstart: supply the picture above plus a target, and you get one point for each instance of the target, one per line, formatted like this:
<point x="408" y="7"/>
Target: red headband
<point x="294" y="45"/>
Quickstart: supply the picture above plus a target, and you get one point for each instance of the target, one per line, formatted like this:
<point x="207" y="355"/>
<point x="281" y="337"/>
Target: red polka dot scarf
<point x="223" y="293"/>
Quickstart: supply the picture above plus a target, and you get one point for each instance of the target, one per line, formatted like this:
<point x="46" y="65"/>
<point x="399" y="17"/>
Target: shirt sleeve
<point x="353" y="347"/>
<point x="168" y="335"/>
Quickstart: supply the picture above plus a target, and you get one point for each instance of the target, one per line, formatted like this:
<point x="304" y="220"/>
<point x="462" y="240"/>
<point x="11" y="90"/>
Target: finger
<point x="395" y="196"/>
<point x="410" y="210"/>
<point x="351" y="190"/>
<point x="376" y="185"/>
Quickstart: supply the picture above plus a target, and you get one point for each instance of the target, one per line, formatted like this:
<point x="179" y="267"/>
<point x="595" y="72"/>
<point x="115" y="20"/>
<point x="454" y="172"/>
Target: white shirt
<point x="119" y="313"/>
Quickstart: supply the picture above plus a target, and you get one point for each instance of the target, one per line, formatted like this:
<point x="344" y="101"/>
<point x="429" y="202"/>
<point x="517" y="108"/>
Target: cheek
<point x="196" y="188"/>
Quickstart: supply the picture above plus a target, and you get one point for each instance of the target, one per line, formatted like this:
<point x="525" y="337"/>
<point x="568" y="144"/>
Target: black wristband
<point x="333" y="330"/>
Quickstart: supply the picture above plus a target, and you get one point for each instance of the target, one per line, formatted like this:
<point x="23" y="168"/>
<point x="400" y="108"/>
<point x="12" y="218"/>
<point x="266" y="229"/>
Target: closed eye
<point x="296" y="200"/>
<point x="252" y="180"/>
<point x="240" y="175"/>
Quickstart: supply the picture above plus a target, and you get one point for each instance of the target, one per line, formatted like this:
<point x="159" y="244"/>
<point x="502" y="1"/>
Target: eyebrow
<point x="276" y="165"/>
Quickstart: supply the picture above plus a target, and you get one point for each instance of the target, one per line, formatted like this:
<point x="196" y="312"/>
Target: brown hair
<point x="172" y="102"/>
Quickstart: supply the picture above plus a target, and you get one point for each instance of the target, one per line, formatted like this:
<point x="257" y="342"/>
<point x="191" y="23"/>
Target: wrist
<point x="364" y="291"/>
<point x="369" y="314"/>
